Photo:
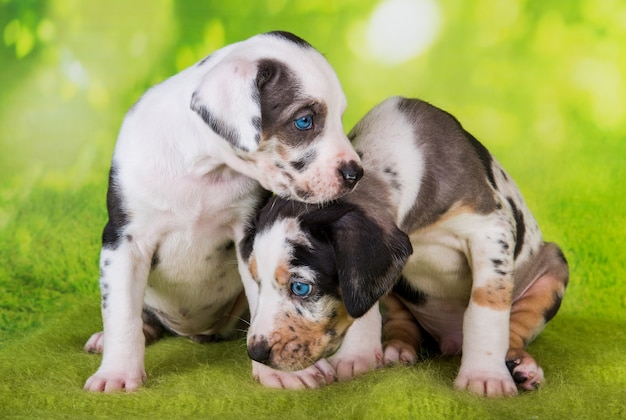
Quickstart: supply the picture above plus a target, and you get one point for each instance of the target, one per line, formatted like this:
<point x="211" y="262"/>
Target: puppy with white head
<point x="191" y="162"/>
<point x="438" y="230"/>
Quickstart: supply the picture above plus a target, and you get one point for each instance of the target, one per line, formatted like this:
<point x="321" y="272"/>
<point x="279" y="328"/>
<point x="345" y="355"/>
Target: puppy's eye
<point x="304" y="123"/>
<point x="300" y="289"/>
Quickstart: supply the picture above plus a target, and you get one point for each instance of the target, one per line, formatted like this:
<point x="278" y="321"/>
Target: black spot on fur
<point x="408" y="293"/>
<point x="301" y="164"/>
<point x="221" y="128"/>
<point x="256" y="123"/>
<point x="393" y="178"/>
<point x="318" y="256"/>
<point x="303" y="194"/>
<point x="245" y="246"/>
<point x="155" y="259"/>
<point x="204" y="60"/>
<point x="118" y="218"/>
<point x="550" y="312"/>
<point x="291" y="37"/>
<point x="485" y="159"/>
<point x="520" y="227"/>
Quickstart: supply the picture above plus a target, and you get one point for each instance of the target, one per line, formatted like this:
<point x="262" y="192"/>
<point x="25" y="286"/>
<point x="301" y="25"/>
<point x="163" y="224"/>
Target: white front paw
<point x="319" y="374"/>
<point x="351" y="365"/>
<point x="488" y="383"/>
<point x="108" y="380"/>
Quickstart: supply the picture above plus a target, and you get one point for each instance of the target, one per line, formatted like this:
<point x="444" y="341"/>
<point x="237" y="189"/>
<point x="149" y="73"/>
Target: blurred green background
<point x="541" y="83"/>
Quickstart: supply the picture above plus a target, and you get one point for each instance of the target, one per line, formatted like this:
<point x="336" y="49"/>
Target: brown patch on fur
<point x="545" y="282"/>
<point x="496" y="295"/>
<point x="282" y="275"/>
<point x="301" y="340"/>
<point x="253" y="269"/>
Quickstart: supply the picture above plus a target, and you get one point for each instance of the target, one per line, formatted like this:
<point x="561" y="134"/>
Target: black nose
<point x="260" y="351"/>
<point x="351" y="172"/>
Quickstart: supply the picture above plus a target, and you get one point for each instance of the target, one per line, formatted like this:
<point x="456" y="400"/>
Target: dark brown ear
<point x="370" y="256"/>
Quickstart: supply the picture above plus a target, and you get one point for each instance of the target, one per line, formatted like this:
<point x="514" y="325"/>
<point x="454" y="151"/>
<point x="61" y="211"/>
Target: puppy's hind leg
<point x="402" y="336"/>
<point x="152" y="328"/>
<point x="532" y="310"/>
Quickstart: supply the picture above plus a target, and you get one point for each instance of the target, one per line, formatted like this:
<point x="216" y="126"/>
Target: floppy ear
<point x="228" y="100"/>
<point x="370" y="256"/>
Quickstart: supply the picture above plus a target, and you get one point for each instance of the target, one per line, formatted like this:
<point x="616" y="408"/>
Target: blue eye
<point x="304" y="123"/>
<point x="300" y="289"/>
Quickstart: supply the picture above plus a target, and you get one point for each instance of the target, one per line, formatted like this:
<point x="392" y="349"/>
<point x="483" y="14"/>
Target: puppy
<point x="191" y="162"/>
<point x="438" y="230"/>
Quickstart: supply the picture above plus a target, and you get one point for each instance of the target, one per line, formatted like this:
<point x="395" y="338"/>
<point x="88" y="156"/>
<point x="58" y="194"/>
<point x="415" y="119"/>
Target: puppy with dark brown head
<point x="481" y="280"/>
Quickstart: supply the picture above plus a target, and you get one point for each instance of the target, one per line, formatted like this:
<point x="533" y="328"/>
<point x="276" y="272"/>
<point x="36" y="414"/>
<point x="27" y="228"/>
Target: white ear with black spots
<point x="228" y="101"/>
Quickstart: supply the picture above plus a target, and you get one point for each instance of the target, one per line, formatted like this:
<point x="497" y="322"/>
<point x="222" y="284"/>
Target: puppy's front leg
<point x="486" y="320"/>
<point x="124" y="273"/>
<point x="361" y="350"/>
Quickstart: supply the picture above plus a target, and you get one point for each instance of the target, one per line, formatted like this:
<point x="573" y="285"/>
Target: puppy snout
<point x="260" y="351"/>
<point x="350" y="172"/>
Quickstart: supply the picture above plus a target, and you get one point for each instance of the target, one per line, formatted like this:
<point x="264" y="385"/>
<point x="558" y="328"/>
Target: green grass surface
<point x="539" y="83"/>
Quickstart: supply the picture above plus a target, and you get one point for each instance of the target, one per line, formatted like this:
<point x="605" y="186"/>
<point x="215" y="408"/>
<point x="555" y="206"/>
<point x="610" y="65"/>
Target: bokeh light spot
<point x="399" y="30"/>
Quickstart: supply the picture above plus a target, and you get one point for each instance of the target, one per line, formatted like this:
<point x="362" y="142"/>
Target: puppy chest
<point x="191" y="282"/>
<point x="439" y="271"/>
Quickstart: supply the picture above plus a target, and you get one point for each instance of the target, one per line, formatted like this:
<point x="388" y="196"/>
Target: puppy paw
<point x="95" y="344"/>
<point x="399" y="352"/>
<point x="492" y="384"/>
<point x="315" y="376"/>
<point x="105" y="380"/>
<point x="525" y="371"/>
<point x="351" y="365"/>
